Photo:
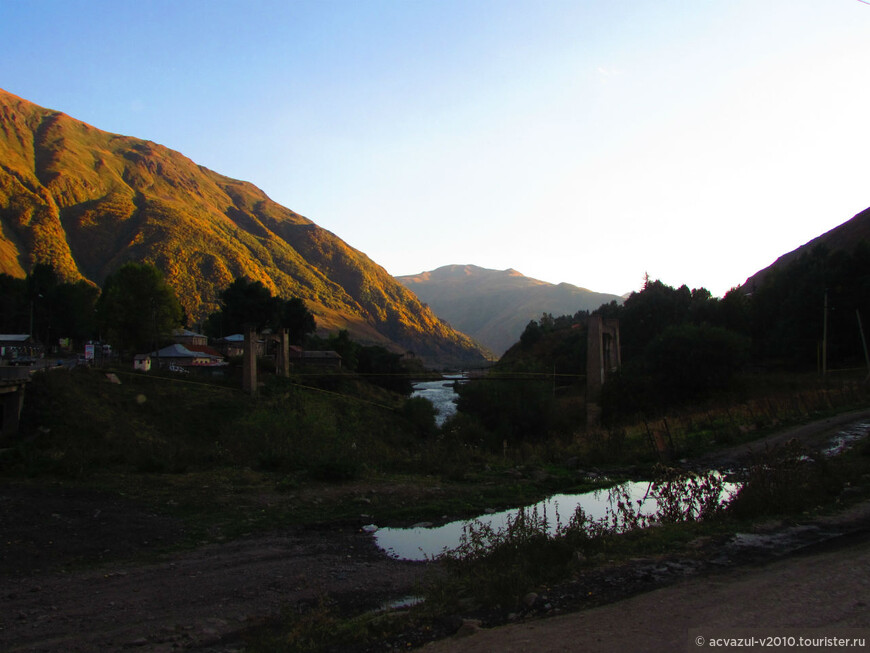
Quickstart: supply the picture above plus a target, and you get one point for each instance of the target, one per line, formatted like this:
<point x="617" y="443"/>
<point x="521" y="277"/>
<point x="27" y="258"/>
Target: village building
<point x="142" y="363"/>
<point x="16" y="347"/>
<point x="186" y="337"/>
<point x="193" y="357"/>
<point x="302" y="357"/>
<point x="234" y="346"/>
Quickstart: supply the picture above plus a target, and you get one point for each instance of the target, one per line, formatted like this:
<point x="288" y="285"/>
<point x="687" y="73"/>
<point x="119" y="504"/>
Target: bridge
<point x="12" y="382"/>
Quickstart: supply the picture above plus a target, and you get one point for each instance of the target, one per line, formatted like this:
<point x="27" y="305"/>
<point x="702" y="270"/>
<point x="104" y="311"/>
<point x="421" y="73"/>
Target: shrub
<point x="785" y="480"/>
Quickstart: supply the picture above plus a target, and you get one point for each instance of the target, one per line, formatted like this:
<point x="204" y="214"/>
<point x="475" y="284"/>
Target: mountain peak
<point x="494" y="306"/>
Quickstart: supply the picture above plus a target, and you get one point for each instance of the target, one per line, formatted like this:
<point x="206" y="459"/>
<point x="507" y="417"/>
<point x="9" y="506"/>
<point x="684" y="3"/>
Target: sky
<point x="590" y="142"/>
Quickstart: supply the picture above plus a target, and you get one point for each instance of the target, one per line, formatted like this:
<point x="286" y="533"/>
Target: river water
<point x="441" y="394"/>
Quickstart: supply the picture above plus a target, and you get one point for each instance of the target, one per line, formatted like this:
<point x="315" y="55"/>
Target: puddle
<point x="846" y="439"/>
<point x="422" y="543"/>
<point x="402" y="603"/>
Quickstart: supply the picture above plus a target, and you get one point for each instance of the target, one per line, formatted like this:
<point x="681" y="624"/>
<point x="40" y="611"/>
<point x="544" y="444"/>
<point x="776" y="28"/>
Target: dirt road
<point x="196" y="599"/>
<point x="829" y="591"/>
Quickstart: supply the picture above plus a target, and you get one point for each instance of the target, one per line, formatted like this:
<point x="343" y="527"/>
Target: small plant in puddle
<point x="497" y="566"/>
<point x="786" y="480"/>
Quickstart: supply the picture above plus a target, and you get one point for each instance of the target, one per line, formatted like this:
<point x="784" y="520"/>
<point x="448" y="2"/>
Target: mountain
<point x="843" y="237"/>
<point x="494" y="306"/>
<point x="87" y="201"/>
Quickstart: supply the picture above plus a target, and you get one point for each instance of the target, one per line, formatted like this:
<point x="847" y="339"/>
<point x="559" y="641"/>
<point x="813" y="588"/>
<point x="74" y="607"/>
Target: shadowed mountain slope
<point x="87" y="201"/>
<point x="843" y="237"/>
<point x="494" y="306"/>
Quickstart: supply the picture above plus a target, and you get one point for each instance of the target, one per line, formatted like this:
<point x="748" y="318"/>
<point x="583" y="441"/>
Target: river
<point x="441" y="394"/>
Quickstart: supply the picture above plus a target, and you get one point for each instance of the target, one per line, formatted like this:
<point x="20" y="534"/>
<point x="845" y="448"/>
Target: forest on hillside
<point x="680" y="347"/>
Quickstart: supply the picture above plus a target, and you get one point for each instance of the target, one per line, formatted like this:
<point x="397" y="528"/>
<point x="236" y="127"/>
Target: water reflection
<point x="846" y="439"/>
<point x="422" y="543"/>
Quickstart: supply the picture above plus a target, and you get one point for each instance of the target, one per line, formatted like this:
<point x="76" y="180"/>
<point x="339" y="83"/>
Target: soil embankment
<point x="828" y="592"/>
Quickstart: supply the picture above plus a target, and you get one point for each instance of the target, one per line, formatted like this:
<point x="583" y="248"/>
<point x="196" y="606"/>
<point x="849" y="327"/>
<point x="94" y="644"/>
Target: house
<point x="187" y="338"/>
<point x="234" y="345"/>
<point x="180" y="356"/>
<point x="142" y="362"/>
<point x="329" y="358"/>
<point x="17" y="347"/>
<point x="206" y="350"/>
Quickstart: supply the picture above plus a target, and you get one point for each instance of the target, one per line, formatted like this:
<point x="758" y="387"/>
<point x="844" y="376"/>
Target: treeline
<point x="681" y="346"/>
<point x="136" y="311"/>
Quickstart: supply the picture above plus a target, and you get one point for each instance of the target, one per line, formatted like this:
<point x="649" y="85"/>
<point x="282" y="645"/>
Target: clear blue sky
<point x="586" y="141"/>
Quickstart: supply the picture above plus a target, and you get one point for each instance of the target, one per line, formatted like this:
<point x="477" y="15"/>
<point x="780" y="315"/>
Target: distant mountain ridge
<point x="494" y="306"/>
<point x="842" y="237"/>
<point x="87" y="201"/>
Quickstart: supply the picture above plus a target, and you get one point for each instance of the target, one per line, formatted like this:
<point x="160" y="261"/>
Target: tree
<point x="686" y="362"/>
<point x="244" y="302"/>
<point x="531" y="335"/>
<point x="137" y="308"/>
<point x="296" y="317"/>
<point x="14" y="307"/>
<point x="42" y="283"/>
<point x="74" y="305"/>
<point x="50" y="308"/>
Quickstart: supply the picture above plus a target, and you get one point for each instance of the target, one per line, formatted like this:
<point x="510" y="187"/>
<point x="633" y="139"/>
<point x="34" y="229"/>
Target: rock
<point x="699" y="542"/>
<point x="136" y="643"/>
<point x="468" y="627"/>
<point x="451" y="623"/>
<point x="369" y="528"/>
<point x="530" y="599"/>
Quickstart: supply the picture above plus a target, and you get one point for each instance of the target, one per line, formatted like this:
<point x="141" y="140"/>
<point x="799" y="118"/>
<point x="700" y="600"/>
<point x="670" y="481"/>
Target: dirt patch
<point x="201" y="598"/>
<point x="47" y="528"/>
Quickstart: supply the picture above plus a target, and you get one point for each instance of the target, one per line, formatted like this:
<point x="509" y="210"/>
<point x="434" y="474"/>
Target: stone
<point x="468" y="627"/>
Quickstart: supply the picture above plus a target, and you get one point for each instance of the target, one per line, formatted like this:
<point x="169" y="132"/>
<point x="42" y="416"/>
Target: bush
<point x="510" y="409"/>
<point x="421" y="413"/>
<point x="687" y="362"/>
<point x="785" y="480"/>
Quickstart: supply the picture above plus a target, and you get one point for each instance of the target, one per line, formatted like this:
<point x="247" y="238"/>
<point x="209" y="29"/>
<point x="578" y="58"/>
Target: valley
<point x="237" y="506"/>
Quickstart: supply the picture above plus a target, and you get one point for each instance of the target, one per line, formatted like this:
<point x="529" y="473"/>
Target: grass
<point x="495" y="569"/>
